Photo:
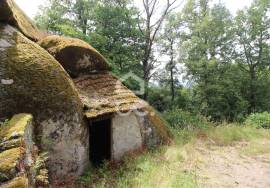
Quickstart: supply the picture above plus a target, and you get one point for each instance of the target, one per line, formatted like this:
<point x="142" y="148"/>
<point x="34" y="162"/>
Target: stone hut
<point x="80" y="112"/>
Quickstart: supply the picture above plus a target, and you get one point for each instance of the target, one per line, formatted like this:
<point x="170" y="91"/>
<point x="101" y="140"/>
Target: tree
<point x="109" y="26"/>
<point x="207" y="40"/>
<point x="117" y="36"/>
<point x="149" y="29"/>
<point x="252" y="45"/>
<point x="66" y="17"/>
<point x="169" y="43"/>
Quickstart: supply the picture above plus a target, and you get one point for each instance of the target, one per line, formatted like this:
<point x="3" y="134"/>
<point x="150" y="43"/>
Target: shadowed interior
<point x="100" y="141"/>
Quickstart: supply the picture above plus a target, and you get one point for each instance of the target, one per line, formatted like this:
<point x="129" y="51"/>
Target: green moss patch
<point x="8" y="161"/>
<point x="15" y="127"/>
<point x="39" y="82"/>
<point x="159" y="124"/>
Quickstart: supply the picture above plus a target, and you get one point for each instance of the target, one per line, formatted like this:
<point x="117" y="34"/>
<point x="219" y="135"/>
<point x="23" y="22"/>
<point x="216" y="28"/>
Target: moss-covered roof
<point x="103" y="93"/>
<point x="160" y="124"/>
<point x="76" y="56"/>
<point x="18" y="182"/>
<point x="15" y="127"/>
<point x="10" y="13"/>
<point x="38" y="84"/>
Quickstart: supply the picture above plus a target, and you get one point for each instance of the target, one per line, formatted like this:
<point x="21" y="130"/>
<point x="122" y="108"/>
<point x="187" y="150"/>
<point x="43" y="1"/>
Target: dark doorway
<point x="100" y="141"/>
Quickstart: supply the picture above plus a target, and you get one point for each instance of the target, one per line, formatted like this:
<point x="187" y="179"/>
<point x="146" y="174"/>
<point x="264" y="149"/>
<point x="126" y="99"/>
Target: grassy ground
<point x="172" y="166"/>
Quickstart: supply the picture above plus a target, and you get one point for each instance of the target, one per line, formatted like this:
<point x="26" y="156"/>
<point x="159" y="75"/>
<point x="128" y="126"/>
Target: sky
<point x="31" y="7"/>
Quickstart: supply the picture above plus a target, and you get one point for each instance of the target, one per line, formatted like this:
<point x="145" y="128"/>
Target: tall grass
<point x="227" y="134"/>
<point x="160" y="168"/>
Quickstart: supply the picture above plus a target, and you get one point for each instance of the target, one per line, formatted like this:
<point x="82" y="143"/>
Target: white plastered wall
<point x="126" y="135"/>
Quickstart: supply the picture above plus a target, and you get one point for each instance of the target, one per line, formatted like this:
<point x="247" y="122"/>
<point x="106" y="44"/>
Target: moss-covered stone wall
<point x="16" y="146"/>
<point x="32" y="81"/>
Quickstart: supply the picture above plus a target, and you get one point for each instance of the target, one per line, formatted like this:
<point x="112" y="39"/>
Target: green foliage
<point x="207" y="50"/>
<point x="186" y="126"/>
<point x="109" y="26"/>
<point x="40" y="161"/>
<point x="180" y="119"/>
<point x="252" y="54"/>
<point x="132" y="84"/>
<point x="159" y="98"/>
<point x="225" y="58"/>
<point x="259" y="120"/>
<point x="115" y="26"/>
<point x="227" y="134"/>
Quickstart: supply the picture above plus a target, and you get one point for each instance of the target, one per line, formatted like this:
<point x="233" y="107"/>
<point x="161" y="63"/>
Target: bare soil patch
<point x="229" y="166"/>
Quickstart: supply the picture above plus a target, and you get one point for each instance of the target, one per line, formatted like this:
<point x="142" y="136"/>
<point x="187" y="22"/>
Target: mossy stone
<point x="18" y="182"/>
<point x="32" y="81"/>
<point x="15" y="127"/>
<point x="8" y="161"/>
<point x="159" y="124"/>
<point x="76" y="56"/>
<point x="38" y="83"/>
<point x="10" y="13"/>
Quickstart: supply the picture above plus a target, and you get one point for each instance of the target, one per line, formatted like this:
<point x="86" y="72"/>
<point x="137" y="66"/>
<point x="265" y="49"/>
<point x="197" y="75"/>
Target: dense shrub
<point x="259" y="120"/>
<point x="180" y="119"/>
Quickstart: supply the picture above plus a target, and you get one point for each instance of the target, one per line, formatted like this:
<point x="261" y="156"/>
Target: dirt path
<point x="230" y="166"/>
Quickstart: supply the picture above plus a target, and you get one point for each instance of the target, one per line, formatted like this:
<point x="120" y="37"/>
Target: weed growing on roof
<point x="4" y="123"/>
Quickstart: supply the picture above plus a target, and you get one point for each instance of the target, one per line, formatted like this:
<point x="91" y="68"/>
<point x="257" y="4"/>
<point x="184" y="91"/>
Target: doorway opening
<point x="100" y="141"/>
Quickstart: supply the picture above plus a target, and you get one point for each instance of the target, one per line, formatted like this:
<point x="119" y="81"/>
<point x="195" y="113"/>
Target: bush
<point x="180" y="119"/>
<point x="260" y="120"/>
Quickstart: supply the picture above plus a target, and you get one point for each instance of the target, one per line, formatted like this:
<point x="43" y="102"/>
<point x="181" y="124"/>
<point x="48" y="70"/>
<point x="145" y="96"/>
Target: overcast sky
<point x="31" y="7"/>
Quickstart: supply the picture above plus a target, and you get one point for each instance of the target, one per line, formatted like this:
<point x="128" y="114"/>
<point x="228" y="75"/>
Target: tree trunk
<point x="252" y="101"/>
<point x="145" y="78"/>
<point x="171" y="71"/>
<point x="82" y="19"/>
<point x="172" y="86"/>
